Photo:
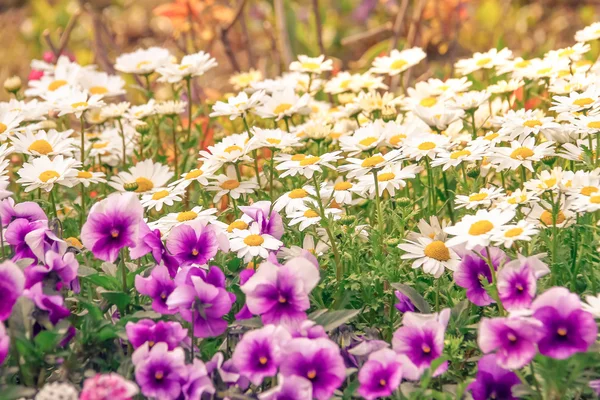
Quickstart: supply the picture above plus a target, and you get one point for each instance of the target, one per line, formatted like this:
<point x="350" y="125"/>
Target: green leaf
<point x="47" y="341"/>
<point x="105" y="281"/>
<point x="414" y="296"/>
<point x="333" y="319"/>
<point x="119" y="299"/>
<point x="84" y="270"/>
<point x="14" y="392"/>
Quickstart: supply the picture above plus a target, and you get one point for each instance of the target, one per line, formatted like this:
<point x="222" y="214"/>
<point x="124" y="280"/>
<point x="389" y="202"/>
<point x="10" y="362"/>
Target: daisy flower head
<point x="586" y="204"/>
<point x="589" y="33"/>
<point x="144" y="176"/>
<point x="63" y="75"/>
<point x="477" y="230"/>
<point x="425" y="145"/>
<point x="43" y="173"/>
<point x="228" y="184"/>
<point x="575" y="101"/>
<point x="308" y="245"/>
<point x="239" y="105"/>
<point x="517" y="198"/>
<point x="143" y="61"/>
<point x="468" y="101"/>
<point x="570" y="53"/>
<point x="114" y="110"/>
<point x="250" y="243"/>
<point x="9" y="121"/>
<point x="161" y="197"/>
<point x="524" y="123"/>
<point x="359" y="166"/>
<point x="306" y="217"/>
<point x="546" y="181"/>
<point x="509" y="234"/>
<point x="341" y="191"/>
<point x="244" y="80"/>
<point x="483" y="198"/>
<point x="396" y="133"/>
<point x="170" y="107"/>
<point x="432" y="229"/>
<point x="521" y="153"/>
<point x="439" y="116"/>
<point x="311" y="65"/>
<point x="449" y="87"/>
<point x="398" y="61"/>
<point x="201" y="175"/>
<point x="486" y="60"/>
<point x="191" y="65"/>
<point x="75" y="101"/>
<point x="276" y="139"/>
<point x="42" y="143"/>
<point x="543" y="215"/>
<point x="232" y="149"/>
<point x="295" y="199"/>
<point x="307" y="165"/>
<point x="101" y="83"/>
<point x="142" y="111"/>
<point x="475" y="151"/>
<point x="86" y="177"/>
<point x="365" y="138"/>
<point x="502" y="87"/>
<point x="389" y="179"/>
<point x="171" y="220"/>
<point x="433" y="256"/>
<point x="284" y="104"/>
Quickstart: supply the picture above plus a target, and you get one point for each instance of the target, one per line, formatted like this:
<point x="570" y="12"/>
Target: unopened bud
<point x="12" y="84"/>
<point x="403" y="201"/>
<point x="47" y="124"/>
<point x="131" y="187"/>
<point x="142" y="128"/>
<point x="347" y="219"/>
<point x="472" y="171"/>
<point x="392" y="242"/>
<point x="549" y="161"/>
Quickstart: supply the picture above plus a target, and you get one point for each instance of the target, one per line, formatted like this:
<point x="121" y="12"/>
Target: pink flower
<point x="108" y="387"/>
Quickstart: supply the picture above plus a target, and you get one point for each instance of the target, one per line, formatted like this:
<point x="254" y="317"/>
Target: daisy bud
<point x="472" y="171"/>
<point x="47" y="124"/>
<point x="347" y="219"/>
<point x="131" y="187"/>
<point x="12" y="84"/>
<point x="142" y="128"/>
<point x="403" y="201"/>
<point x="549" y="161"/>
<point x="392" y="242"/>
<point x="389" y="113"/>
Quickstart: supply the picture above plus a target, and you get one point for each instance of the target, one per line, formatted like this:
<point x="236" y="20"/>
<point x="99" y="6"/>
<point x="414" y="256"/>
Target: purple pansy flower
<point x="493" y="381"/>
<point x="4" y="343"/>
<point x="270" y="222"/>
<point x="193" y="244"/>
<point x="516" y="285"/>
<point x="157" y="286"/>
<point x="52" y="304"/>
<point x="227" y="372"/>
<point x="198" y="382"/>
<point x="148" y="331"/>
<point x="258" y="353"/>
<point x="404" y="303"/>
<point x="567" y="329"/>
<point x="473" y="269"/>
<point x="57" y="267"/>
<point x="513" y="339"/>
<point x="112" y="224"/>
<point x="160" y="372"/>
<point x="15" y="235"/>
<point x="317" y="360"/>
<point x="149" y="241"/>
<point x="12" y="283"/>
<point x="421" y="340"/>
<point x="289" y="388"/>
<point x="380" y="376"/>
<point x="309" y="329"/>
<point x="29" y="210"/>
<point x="280" y="294"/>
<point x="108" y="387"/>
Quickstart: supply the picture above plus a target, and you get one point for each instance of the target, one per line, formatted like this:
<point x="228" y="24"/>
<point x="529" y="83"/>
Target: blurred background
<point x="267" y="34"/>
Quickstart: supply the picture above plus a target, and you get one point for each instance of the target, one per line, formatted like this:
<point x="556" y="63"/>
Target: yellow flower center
<point x="230" y="184"/>
<point x="461" y="153"/>
<point x="281" y="108"/>
<point x="47" y="175"/>
<point x="193" y="174"/>
<point x="141" y="64"/>
<point x="84" y="174"/>
<point x="382" y="382"/>
<point x="298" y="157"/>
<point x="342" y="186"/>
<point x="515" y="200"/>
<point x="566" y="52"/>
<point x="588" y="190"/>
<point x="254" y="240"/>
<point x="594" y="125"/>
<point x="523" y="64"/>
<point x="311" y="214"/>
<point x="513" y="232"/>
<point x="478" y="197"/>
<point x="367" y="141"/>
<point x="480" y="228"/>
<point x="550" y="182"/>
<point x="298" y="194"/>
<point x="483" y="61"/>
<point x="160" y="195"/>
<point x="595" y="199"/>
<point x="73" y="241"/>
<point x="80" y="104"/>
<point x="396" y="139"/>
<point x="98" y="90"/>
<point x="144" y="184"/>
<point x="372" y="161"/>
<point x="544" y="71"/>
<point x="273" y="141"/>
<point x="491" y="136"/>
<point x="183" y="67"/>
<point x="186" y="216"/>
<point x="194" y="252"/>
<point x="426" y="146"/>
<point x="532" y="123"/>
<point x="41" y="146"/>
<point x="238" y="224"/>
<point x="562" y="331"/>
<point x="437" y="250"/>
<point x="3" y="127"/>
<point x="310" y="65"/>
<point x="56" y="84"/>
<point x="386" y="176"/>
<point x="428" y="102"/>
<point x="231" y="149"/>
<point x="583" y="102"/>
<point x="309" y="161"/>
<point x="398" y="64"/>
<point x="159" y="375"/>
<point x="282" y="299"/>
<point x="263" y="360"/>
<point x="311" y="374"/>
<point x="546" y="218"/>
<point x="521" y="153"/>
<point x="99" y="145"/>
<point x="426" y="349"/>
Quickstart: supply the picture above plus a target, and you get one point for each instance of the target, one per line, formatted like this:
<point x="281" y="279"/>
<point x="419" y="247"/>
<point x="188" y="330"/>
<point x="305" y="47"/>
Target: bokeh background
<point x="266" y="35"/>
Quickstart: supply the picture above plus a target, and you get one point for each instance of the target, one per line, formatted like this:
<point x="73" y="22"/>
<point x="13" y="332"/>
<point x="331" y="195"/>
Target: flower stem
<point x="123" y="270"/>
<point x="271" y="178"/>
<point x="124" y="153"/>
<point x="82" y="120"/>
<point x="174" y="135"/>
<point x="189" y="93"/>
<point x="378" y="205"/>
<point x="82" y="213"/>
<point x="53" y="200"/>
<point x="254" y="152"/>
<point x="192" y="337"/>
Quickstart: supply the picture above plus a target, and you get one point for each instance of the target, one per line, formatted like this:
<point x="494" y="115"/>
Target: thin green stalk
<point x="271" y="179"/>
<point x="378" y="205"/>
<point x="430" y="184"/>
<point x="254" y="152"/>
<point x="82" y="120"/>
<point x="53" y="200"/>
<point x="175" y="157"/>
<point x="124" y="153"/>
<point x="189" y="93"/>
<point x="123" y="271"/>
<point x="2" y="240"/>
<point x="474" y="128"/>
<point x="83" y="211"/>
<point x="490" y="263"/>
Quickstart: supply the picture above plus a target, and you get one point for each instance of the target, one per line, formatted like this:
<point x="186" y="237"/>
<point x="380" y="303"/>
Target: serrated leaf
<point x="414" y="296"/>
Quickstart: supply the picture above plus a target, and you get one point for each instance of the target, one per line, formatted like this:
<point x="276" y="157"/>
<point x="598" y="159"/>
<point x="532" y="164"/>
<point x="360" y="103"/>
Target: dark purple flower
<point x="198" y="382"/>
<point x="148" y="331"/>
<point x="202" y="303"/>
<point x="404" y="303"/>
<point x="472" y="270"/>
<point x="158" y="286"/>
<point x="108" y="387"/>
<point x="57" y="267"/>
<point x="270" y="222"/>
<point x="280" y="294"/>
<point x="289" y="388"/>
<point x="493" y="381"/>
<point x="12" y="283"/>
<point x="52" y="304"/>
<point x="28" y="210"/>
<point x="112" y="224"/>
<point x="567" y="328"/>
<point x="317" y="360"/>
<point x="513" y="339"/>
<point x="4" y="343"/>
<point x="193" y="244"/>
<point x="160" y="372"/>
<point x="258" y="353"/>
<point x="149" y="241"/>
<point x="380" y="376"/>
<point x="421" y="340"/>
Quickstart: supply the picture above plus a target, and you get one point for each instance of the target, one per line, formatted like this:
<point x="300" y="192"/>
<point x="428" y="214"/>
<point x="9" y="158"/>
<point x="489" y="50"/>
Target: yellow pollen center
<point x="511" y="336"/>
<point x="151" y="343"/>
<point x="480" y="228"/>
<point x="186" y="216"/>
<point x="80" y="104"/>
<point x="73" y="241"/>
<point x="40" y="146"/>
<point x="478" y="196"/>
<point x="522" y="64"/>
<point x="382" y="382"/>
<point x="281" y="108"/>
<point x="491" y="136"/>
<point x="461" y="153"/>
<point x="298" y="194"/>
<point x="144" y="184"/>
<point x="159" y="375"/>
<point x="428" y="102"/>
<point x="47" y="175"/>
<point x="544" y="71"/>
<point x="238" y="224"/>
<point x="84" y="174"/>
<point x="98" y="90"/>
<point x="550" y="182"/>
<point x="513" y="232"/>
<point x="398" y="64"/>
<point x="426" y="349"/>
<point x="437" y="250"/>
<point x="521" y="153"/>
<point x="386" y="176"/>
<point x="194" y="252"/>
<point x="230" y="184"/>
<point x="273" y="141"/>
<point x="588" y="190"/>
<point x="372" y="161"/>
<point x="282" y="299"/>
<point x="183" y="67"/>
<point x="114" y="233"/>
<point x="532" y="123"/>
<point x="594" y="125"/>
<point x="309" y="161"/>
<point x="483" y="61"/>
<point x="396" y="139"/>
<point x="342" y="186"/>
<point x="583" y="102"/>
<point x="311" y="214"/>
<point x="310" y="65"/>
<point x="231" y="149"/>
<point x="546" y="218"/>
<point x="160" y="195"/>
<point x="56" y="85"/>
<point x="254" y="240"/>
<point x="562" y="331"/>
<point x="311" y="374"/>
<point x="100" y="145"/>
<point x="595" y="199"/>
<point x="263" y="360"/>
<point x="141" y="64"/>
<point x="298" y="157"/>
<point x="3" y="127"/>
<point x="367" y="141"/>
<point x="426" y="146"/>
<point x="193" y="174"/>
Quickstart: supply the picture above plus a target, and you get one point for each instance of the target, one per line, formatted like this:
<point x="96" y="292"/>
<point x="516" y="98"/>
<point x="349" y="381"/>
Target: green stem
<point x="82" y="120"/>
<point x="53" y="200"/>
<point x="254" y="153"/>
<point x="271" y="179"/>
<point x="175" y="157"/>
<point x="430" y="184"/>
<point x="189" y="93"/>
<point x="124" y="153"/>
<point x="378" y="205"/>
<point x="82" y="214"/>
<point x="490" y="263"/>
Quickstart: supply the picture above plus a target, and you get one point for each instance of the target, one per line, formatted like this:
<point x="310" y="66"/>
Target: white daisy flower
<point x="502" y="87"/>
<point x="521" y="153"/>
<point x="142" y="111"/>
<point x="540" y="215"/>
<point x="434" y="256"/>
<point x="145" y="174"/>
<point x="486" y="60"/>
<point x="88" y="177"/>
<point x="509" y="234"/>
<point x="170" y="107"/>
<point x="161" y="197"/>
<point x="228" y="184"/>
<point x="545" y="180"/>
<point x="143" y="61"/>
<point x="295" y="199"/>
<point x="468" y="101"/>
<point x="517" y="198"/>
<point x="201" y="175"/>
<point x="311" y="65"/>
<point x="243" y="80"/>
<point x="475" y="151"/>
<point x="101" y="83"/>
<point x="42" y="143"/>
<point x="523" y="123"/>
<point x="238" y="106"/>
<point x="74" y="101"/>
<point x="232" y="149"/>
<point x="308" y="216"/>
<point x="114" y="110"/>
<point x="432" y="229"/>
<point x="359" y="167"/>
<point x="576" y="102"/>
<point x="273" y="139"/>
<point x="44" y="173"/>
<point x="171" y="220"/>
<point x="483" y="198"/>
<point x="477" y="230"/>
<point x="64" y="75"/>
<point x="191" y="65"/>
<point x="308" y="244"/>
<point x="365" y="138"/>
<point x="592" y="303"/>
<point x="398" y="61"/>
<point x="389" y="179"/>
<point x="425" y="145"/>
<point x="283" y="104"/>
<point x="250" y="243"/>
<point x="589" y="33"/>
<point x="307" y="165"/>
